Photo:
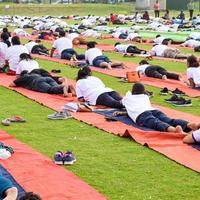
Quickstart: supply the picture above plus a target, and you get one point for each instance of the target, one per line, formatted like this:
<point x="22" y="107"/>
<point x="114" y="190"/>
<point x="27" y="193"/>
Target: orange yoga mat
<point x="165" y="143"/>
<point x="37" y="173"/>
<point x="170" y="84"/>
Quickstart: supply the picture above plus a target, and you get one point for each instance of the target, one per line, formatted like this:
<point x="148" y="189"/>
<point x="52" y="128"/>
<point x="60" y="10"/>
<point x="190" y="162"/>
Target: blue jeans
<point x="47" y="85"/>
<point x="123" y="36"/>
<point x="68" y="53"/>
<point x="110" y="99"/>
<point x="157" y="120"/>
<point x="99" y="59"/>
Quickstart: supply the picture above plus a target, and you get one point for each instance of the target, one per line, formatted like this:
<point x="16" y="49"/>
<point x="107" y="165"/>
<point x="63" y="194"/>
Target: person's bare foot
<point x="193" y="126"/>
<point x="179" y="129"/>
<point x="164" y="77"/>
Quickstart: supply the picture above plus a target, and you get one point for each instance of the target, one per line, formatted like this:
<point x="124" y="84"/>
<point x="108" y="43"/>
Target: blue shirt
<point x="4" y="185"/>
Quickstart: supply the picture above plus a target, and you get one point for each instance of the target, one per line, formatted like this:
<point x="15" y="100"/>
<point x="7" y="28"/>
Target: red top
<point x="156" y="6"/>
<point x="113" y="18"/>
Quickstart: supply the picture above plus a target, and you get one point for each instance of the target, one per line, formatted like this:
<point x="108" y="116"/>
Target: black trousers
<point x="110" y="99"/>
<point x="157" y="13"/>
<point x="191" y="14"/>
<point x="159" y="72"/>
<point x="134" y="49"/>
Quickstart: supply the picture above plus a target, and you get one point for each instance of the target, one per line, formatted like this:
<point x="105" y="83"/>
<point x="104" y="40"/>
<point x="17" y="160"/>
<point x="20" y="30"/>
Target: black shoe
<point x="183" y="102"/>
<point x="164" y="91"/>
<point x="150" y="94"/>
<point x="172" y="99"/>
<point x="179" y="92"/>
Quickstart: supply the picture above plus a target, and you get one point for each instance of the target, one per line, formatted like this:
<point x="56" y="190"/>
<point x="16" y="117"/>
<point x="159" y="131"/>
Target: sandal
<point x="16" y="119"/>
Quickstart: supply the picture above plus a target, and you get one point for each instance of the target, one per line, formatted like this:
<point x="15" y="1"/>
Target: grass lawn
<point x="117" y="167"/>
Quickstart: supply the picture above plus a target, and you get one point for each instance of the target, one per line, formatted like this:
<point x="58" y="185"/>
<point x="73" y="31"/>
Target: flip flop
<point x="16" y="119"/>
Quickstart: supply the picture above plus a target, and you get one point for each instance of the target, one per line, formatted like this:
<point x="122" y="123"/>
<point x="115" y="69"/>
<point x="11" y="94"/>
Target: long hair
<point x="83" y="73"/>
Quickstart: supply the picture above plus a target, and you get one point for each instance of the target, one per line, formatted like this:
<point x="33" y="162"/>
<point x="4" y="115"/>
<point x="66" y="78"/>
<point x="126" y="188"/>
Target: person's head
<point x="117" y="43"/>
<point x="146" y="12"/>
<point x="25" y="56"/>
<point x="143" y="62"/>
<point x="4" y="36"/>
<point x="192" y="61"/>
<point x="91" y="44"/>
<point x="156" y="1"/>
<point x="167" y="11"/>
<point x="158" y="35"/>
<point x="24" y="72"/>
<point x="61" y="33"/>
<point x="138" y="88"/>
<point x="5" y="30"/>
<point x="15" y="40"/>
<point x="83" y="73"/>
<point x="30" y="196"/>
<point x="165" y="42"/>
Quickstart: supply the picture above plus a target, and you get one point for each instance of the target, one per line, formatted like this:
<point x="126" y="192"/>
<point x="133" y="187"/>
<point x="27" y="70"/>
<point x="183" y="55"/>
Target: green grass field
<point x="117" y="167"/>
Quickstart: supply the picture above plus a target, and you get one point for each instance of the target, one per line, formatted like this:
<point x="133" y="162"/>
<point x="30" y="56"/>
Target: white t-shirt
<point x="12" y="55"/>
<point x="28" y="65"/>
<point x="131" y="36"/>
<point x="30" y="45"/>
<point x="90" y="33"/>
<point x="191" y="43"/>
<point x="62" y="43"/>
<point x="3" y="49"/>
<point x="116" y="34"/>
<point x="71" y="36"/>
<point x="20" y="32"/>
<point x="122" y="48"/>
<point x="159" y="49"/>
<point x="90" y="88"/>
<point x="196" y="135"/>
<point x="159" y="40"/>
<point x="141" y="68"/>
<point x="136" y="104"/>
<point x="194" y="73"/>
<point x="91" y="54"/>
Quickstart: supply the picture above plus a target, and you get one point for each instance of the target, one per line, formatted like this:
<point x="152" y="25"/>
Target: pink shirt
<point x="156" y="6"/>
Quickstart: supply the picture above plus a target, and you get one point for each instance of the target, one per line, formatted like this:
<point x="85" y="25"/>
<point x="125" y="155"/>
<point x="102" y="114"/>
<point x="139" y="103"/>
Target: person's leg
<point x="51" y="81"/>
<point x="181" y="56"/>
<point x="193" y="137"/>
<point x="148" y="120"/>
<point x="115" y="95"/>
<point x="40" y="85"/>
<point x="106" y="100"/>
<point x="134" y="49"/>
<point x="67" y="54"/>
<point x="169" y="75"/>
<point x="153" y="72"/>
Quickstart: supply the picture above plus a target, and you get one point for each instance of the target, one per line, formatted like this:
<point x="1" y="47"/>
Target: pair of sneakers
<point x="166" y="91"/>
<point x="67" y="158"/>
<point x="179" y="101"/>
<point x="7" y="121"/>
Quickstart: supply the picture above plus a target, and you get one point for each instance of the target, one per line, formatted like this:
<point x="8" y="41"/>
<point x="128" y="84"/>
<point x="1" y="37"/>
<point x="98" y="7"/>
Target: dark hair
<point x="138" y="88"/>
<point x="192" y="61"/>
<point x="15" y="40"/>
<point x="117" y="43"/>
<point x="158" y="36"/>
<point x="83" y="73"/>
<point x="62" y="33"/>
<point x="5" y="30"/>
<point x="165" y="42"/>
<point x="91" y="44"/>
<point x="25" y="56"/>
<point x="30" y="196"/>
<point x="143" y="62"/>
<point x="4" y="36"/>
<point x="24" y="72"/>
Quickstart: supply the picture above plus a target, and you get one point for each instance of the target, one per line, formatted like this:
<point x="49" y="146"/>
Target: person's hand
<point x="117" y="113"/>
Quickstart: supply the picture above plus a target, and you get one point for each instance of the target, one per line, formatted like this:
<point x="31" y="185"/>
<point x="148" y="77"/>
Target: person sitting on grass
<point x="193" y="72"/>
<point x="155" y="71"/>
<point x="36" y="82"/>
<point x="139" y="109"/>
<point x="26" y="63"/>
<point x="91" y="89"/>
<point x="95" y="57"/>
<point x="65" y="48"/>
<point x="13" y="54"/>
<point x="7" y="190"/>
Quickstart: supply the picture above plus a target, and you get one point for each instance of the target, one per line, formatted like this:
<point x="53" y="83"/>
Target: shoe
<point x="60" y="115"/>
<point x="164" y="91"/>
<point x="6" y="122"/>
<point x="58" y="158"/>
<point x="69" y="158"/>
<point x="149" y="93"/>
<point x="183" y="102"/>
<point x="16" y="119"/>
<point x="172" y="99"/>
<point x="179" y="92"/>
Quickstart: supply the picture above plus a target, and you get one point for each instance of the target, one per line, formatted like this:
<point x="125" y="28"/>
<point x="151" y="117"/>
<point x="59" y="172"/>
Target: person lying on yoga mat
<point x="12" y="54"/>
<point x="95" y="57"/>
<point x="139" y="109"/>
<point x="155" y="71"/>
<point x="193" y="72"/>
<point x="128" y="49"/>
<point x="162" y="50"/>
<point x="36" y="48"/>
<point x="164" y="40"/>
<point x="42" y="84"/>
<point x="91" y="89"/>
<point x="65" y="48"/>
<point x="26" y="63"/>
<point x="7" y="189"/>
